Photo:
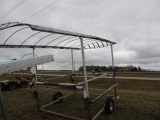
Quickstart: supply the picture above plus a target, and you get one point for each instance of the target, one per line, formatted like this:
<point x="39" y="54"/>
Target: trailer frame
<point x="72" y="41"/>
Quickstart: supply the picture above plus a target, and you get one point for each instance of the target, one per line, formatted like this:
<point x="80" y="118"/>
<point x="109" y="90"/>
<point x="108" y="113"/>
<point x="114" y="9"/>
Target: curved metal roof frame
<point x="71" y="39"/>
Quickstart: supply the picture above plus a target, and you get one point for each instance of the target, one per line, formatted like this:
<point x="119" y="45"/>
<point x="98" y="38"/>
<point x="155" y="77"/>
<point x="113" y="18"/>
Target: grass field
<point x="139" y="100"/>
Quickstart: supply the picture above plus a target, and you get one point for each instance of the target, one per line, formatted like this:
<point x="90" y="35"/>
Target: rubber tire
<point x="12" y="85"/>
<point x="56" y="96"/>
<point x="23" y="84"/>
<point x="109" y="106"/>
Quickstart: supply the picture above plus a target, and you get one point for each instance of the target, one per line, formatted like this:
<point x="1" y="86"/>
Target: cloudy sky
<point x="133" y="24"/>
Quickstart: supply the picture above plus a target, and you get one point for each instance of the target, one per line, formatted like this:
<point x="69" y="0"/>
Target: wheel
<point x="56" y="96"/>
<point x="23" y="84"/>
<point x="11" y="85"/>
<point x="109" y="106"/>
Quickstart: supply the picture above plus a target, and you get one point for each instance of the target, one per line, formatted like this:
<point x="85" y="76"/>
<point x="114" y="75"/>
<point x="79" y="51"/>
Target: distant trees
<point x="134" y="69"/>
<point x="139" y="69"/>
<point x="109" y="68"/>
<point x="80" y="68"/>
<point x="102" y="68"/>
<point x="90" y="68"/>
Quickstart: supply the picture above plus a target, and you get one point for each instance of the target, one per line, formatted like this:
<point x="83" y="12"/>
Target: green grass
<point x="139" y="100"/>
<point x="139" y="74"/>
<point x="128" y="74"/>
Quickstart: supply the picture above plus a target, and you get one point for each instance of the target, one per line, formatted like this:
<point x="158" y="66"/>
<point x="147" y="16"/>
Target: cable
<point x="36" y="12"/>
<point x="40" y="10"/>
<point x="11" y="10"/>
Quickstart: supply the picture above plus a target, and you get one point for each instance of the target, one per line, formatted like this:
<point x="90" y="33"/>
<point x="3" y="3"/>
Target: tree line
<point x="130" y="68"/>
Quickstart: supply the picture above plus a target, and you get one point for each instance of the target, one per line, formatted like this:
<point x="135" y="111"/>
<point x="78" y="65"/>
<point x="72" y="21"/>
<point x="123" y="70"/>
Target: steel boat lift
<point x="60" y="39"/>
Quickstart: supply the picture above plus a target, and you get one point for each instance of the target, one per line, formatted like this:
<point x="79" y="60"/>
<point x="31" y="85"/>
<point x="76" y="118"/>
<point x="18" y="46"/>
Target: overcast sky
<point x="133" y="24"/>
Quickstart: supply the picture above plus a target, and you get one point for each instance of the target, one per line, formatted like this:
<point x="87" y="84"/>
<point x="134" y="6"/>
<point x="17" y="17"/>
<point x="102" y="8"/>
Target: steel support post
<point x="86" y="93"/>
<point x="33" y="51"/>
<point x="4" y="114"/>
<point x="85" y="90"/>
<point x="72" y="62"/>
<point x="35" y="74"/>
<point x="113" y="69"/>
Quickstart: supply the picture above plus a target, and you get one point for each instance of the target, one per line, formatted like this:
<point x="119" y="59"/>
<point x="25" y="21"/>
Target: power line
<point x="11" y="10"/>
<point x="36" y="12"/>
<point x="40" y="10"/>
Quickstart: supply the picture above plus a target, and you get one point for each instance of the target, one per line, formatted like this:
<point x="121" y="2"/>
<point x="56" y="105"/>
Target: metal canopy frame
<point x="70" y="39"/>
<point x="63" y="40"/>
